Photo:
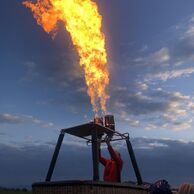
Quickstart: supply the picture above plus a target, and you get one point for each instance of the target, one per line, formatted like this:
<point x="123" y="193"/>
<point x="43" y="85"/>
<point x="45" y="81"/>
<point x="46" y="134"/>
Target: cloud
<point x="60" y="64"/>
<point x="166" y="75"/>
<point x="48" y="125"/>
<point x="147" y="101"/>
<point x="31" y="72"/>
<point x="156" y="109"/>
<point x="159" y="57"/>
<point x="191" y="105"/>
<point x="137" y="103"/>
<point x="167" y="157"/>
<point x="61" y="72"/>
<point x="172" y="60"/>
<point x="141" y="86"/>
<point x="150" y="143"/>
<point x="65" y="78"/>
<point x="157" y="159"/>
<point x="7" y="118"/>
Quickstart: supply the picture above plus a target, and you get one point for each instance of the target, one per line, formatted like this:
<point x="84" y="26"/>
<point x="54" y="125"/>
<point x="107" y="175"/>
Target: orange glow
<point x="83" y="21"/>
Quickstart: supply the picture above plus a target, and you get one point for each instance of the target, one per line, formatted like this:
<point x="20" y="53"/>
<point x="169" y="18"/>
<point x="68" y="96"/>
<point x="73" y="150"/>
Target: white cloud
<point x="48" y="125"/>
<point x="180" y="96"/>
<point x="165" y="63"/>
<point x="179" y="112"/>
<point x="160" y="56"/>
<point x="123" y="116"/>
<point x="7" y="118"/>
<point x="154" y="110"/>
<point x="166" y="75"/>
<point x="82" y="90"/>
<point x="189" y="33"/>
<point x="142" y="86"/>
<point x="191" y="105"/>
<point x="183" y="126"/>
<point x="149" y="143"/>
<point x="150" y="127"/>
<point x="157" y="145"/>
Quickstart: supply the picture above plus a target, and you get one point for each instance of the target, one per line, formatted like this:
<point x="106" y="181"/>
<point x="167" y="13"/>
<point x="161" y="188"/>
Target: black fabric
<point x="160" y="187"/>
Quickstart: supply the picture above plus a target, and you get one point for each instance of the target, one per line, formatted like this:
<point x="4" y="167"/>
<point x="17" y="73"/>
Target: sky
<point x="150" y="47"/>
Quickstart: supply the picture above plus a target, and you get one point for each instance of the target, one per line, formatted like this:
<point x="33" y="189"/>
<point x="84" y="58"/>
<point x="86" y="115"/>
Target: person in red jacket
<point x="113" y="166"/>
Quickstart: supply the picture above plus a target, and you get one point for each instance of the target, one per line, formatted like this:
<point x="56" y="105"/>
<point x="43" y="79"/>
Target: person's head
<point x="186" y="188"/>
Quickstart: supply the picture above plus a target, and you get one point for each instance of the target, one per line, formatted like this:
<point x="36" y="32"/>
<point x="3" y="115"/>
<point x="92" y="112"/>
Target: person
<point x="160" y="187"/>
<point x="113" y="166"/>
<point x="186" y="188"/>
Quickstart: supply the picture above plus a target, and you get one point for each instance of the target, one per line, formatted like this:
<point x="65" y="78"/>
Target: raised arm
<point x="102" y="160"/>
<point x="113" y="154"/>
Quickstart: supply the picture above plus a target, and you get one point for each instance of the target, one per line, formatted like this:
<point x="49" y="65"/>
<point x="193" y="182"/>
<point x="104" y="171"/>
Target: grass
<point x="7" y="191"/>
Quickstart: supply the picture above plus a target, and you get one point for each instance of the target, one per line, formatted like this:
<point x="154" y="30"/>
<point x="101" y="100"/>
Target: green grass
<point x="3" y="191"/>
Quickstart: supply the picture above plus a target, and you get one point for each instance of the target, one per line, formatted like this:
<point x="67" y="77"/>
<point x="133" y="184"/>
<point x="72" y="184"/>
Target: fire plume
<point x="82" y="20"/>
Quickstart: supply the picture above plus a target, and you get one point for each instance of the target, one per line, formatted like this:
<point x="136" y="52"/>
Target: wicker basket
<point x="86" y="187"/>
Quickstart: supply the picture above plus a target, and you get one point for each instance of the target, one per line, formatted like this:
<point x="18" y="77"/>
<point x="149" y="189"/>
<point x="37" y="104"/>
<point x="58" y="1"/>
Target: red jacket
<point x="113" y="166"/>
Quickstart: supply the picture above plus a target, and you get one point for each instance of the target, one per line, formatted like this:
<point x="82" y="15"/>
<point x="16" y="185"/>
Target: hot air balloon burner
<point x="109" y="122"/>
<point x="99" y="121"/>
<point x="106" y="121"/>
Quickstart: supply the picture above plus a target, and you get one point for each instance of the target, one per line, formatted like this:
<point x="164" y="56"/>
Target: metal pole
<point x="54" y="158"/>
<point x="95" y="155"/>
<point x="134" y="162"/>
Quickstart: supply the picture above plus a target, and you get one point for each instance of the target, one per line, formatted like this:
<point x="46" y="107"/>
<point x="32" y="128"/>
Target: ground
<point x="6" y="191"/>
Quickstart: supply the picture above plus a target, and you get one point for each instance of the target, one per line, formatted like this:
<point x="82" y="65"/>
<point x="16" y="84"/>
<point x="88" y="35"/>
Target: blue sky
<point x="151" y="61"/>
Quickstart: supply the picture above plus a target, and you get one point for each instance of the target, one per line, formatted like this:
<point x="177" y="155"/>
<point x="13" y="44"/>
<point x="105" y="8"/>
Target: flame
<point x="82" y="20"/>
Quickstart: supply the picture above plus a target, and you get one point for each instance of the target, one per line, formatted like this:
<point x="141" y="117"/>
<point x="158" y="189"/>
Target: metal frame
<point x="95" y="141"/>
<point x="55" y="156"/>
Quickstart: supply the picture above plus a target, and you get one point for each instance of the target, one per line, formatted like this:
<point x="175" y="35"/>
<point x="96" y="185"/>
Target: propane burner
<point x="107" y="121"/>
<point x="99" y="121"/>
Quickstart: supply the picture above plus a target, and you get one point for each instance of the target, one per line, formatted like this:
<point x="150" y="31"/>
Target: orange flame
<point x="83" y="21"/>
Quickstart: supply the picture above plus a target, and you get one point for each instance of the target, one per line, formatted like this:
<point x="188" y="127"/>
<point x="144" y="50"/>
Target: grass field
<point x="2" y="191"/>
